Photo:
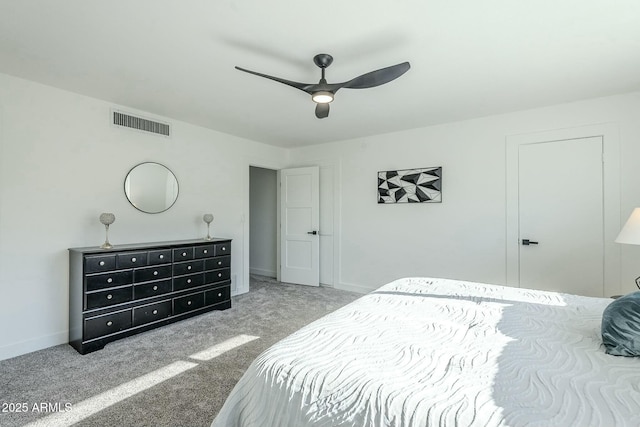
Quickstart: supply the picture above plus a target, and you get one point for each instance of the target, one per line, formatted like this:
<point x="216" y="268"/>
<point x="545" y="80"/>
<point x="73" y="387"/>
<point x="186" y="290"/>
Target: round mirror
<point x="151" y="187"/>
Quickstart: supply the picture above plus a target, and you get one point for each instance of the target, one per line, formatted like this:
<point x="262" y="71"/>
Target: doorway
<point x="263" y="224"/>
<point x="264" y="258"/>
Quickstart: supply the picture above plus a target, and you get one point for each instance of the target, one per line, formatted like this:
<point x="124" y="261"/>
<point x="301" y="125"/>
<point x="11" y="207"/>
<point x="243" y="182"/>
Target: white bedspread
<point x="434" y="352"/>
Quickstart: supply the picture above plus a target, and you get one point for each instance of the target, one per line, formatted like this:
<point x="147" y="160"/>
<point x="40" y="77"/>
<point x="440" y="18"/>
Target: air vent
<point x="138" y="123"/>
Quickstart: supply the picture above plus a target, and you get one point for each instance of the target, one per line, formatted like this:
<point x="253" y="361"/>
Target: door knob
<point x="314" y="232"/>
<point x="527" y="242"/>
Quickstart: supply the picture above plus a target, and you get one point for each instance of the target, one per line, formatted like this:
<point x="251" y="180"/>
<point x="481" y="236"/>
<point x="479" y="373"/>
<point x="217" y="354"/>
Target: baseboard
<point x="28" y="346"/>
<point x="262" y="272"/>
<point x="354" y="288"/>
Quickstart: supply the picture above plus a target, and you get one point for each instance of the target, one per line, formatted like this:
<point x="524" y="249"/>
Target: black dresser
<point x="122" y="291"/>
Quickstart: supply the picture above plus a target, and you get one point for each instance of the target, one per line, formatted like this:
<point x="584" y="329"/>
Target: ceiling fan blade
<point x="306" y="87"/>
<point x="377" y="77"/>
<point x="322" y="110"/>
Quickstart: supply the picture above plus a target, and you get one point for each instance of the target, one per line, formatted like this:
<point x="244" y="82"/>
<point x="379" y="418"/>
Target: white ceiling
<point x="468" y="58"/>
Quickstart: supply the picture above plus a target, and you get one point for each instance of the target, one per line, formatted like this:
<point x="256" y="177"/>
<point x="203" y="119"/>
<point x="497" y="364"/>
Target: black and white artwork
<point x="410" y="186"/>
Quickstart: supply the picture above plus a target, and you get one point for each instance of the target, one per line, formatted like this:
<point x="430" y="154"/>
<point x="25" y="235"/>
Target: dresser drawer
<point x="151" y="289"/>
<point x="204" y="251"/>
<point x="217" y="275"/>
<point x="131" y="259"/>
<point x="186" y="282"/>
<point x="109" y="280"/>
<point x="109" y="297"/>
<point x="151" y="273"/>
<point x="215" y="296"/>
<point x="151" y="312"/>
<point x="217" y="262"/>
<point x="95" y="327"/>
<point x="161" y="256"/>
<point x="223" y="249"/>
<point x="188" y="267"/>
<point x="182" y="254"/>
<point x="188" y="303"/>
<point x="98" y="263"/>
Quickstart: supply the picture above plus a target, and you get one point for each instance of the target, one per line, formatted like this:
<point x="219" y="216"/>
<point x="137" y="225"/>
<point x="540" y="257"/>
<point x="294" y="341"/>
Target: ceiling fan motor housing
<point x="323" y="60"/>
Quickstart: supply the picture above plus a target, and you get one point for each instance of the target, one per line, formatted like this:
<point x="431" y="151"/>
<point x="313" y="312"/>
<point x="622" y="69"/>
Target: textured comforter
<point x="435" y="352"/>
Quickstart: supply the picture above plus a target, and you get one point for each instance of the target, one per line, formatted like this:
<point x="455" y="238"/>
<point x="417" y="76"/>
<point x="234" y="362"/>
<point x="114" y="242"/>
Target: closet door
<point x="560" y="215"/>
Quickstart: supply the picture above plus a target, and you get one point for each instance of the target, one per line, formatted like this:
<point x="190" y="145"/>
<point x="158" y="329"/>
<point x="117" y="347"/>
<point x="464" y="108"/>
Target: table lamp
<point x="630" y="233"/>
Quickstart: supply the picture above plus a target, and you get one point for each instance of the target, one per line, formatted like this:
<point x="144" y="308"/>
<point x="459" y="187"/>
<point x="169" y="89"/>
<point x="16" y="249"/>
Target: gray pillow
<point x="621" y="326"/>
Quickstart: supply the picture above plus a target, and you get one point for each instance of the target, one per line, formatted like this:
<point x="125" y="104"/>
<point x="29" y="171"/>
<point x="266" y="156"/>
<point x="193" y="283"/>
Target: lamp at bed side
<point x="630" y="233"/>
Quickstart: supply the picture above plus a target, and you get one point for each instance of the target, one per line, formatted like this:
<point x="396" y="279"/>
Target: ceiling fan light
<point x="322" y="97"/>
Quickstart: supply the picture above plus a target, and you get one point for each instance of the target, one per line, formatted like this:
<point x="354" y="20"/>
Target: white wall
<point x="262" y="221"/>
<point x="464" y="236"/>
<point x="62" y="164"/>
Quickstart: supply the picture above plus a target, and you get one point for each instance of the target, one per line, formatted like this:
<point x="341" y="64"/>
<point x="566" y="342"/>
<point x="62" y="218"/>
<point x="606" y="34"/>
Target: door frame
<point x="325" y="164"/>
<point x="330" y="176"/>
<point x="611" y="191"/>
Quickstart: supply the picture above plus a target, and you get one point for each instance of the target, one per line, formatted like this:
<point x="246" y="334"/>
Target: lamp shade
<point x="630" y="233"/>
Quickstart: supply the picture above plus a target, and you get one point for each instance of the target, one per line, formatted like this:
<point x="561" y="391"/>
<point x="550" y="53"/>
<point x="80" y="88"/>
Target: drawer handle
<point x="188" y="280"/>
<point x="133" y="259"/>
<point x="219" y="274"/>
<point x="109" y="280"/>
<point x="109" y="296"/>
<point x="155" y="288"/>
<point x="219" y="262"/>
<point x="188" y="267"/>
<point x="109" y="323"/>
<point x="101" y="263"/>
<point x="161" y="257"/>
<point x="155" y="273"/>
<point x="224" y="248"/>
<point x="220" y="294"/>
<point x="205" y="251"/>
<point x="188" y="302"/>
<point x="184" y="254"/>
<point x="155" y="311"/>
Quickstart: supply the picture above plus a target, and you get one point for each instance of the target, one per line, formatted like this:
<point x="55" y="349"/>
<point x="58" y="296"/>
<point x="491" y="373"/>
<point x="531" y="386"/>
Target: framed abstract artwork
<point x="410" y="186"/>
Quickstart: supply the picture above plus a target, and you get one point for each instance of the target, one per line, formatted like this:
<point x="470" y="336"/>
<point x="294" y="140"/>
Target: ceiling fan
<point x="322" y="92"/>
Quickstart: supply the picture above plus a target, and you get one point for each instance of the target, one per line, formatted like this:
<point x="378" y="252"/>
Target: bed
<point x="436" y="352"/>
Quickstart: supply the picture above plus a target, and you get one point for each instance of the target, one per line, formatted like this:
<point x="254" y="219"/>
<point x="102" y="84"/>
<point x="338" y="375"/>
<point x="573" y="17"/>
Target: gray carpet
<point x="59" y="375"/>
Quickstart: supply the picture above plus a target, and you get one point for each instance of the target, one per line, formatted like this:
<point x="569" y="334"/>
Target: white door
<point x="561" y="221"/>
<point x="299" y="222"/>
